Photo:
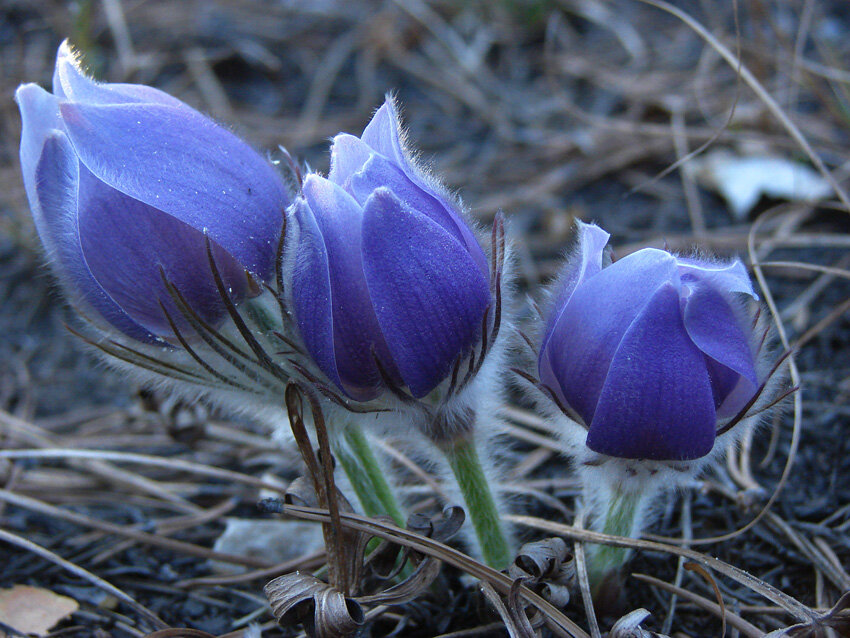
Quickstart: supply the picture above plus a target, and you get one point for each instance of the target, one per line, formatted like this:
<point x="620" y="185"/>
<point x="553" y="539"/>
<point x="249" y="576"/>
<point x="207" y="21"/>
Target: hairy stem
<point x="367" y="477"/>
<point x="480" y="502"/>
<point x="604" y="561"/>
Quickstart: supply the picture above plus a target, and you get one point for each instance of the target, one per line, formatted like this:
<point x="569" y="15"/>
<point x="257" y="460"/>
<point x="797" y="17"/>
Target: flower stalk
<point x="621" y="518"/>
<point x="481" y="506"/>
<point x="368" y="479"/>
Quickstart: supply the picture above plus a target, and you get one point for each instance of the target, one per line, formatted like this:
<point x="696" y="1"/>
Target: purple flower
<point x="650" y="351"/>
<point x="124" y="180"/>
<point x="390" y="284"/>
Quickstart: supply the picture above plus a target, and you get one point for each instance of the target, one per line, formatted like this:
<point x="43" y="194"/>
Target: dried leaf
<point x="558" y="595"/>
<point x="440" y="528"/>
<point x="410" y="587"/>
<point x="540" y="559"/>
<point x="629" y="626"/>
<point x="180" y="633"/>
<point x="325" y="612"/>
<point x="386" y="560"/>
<point x="33" y="610"/>
<point x="743" y="180"/>
<point x="547" y="567"/>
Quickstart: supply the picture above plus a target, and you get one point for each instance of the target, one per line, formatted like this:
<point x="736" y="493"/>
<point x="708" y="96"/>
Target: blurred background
<point x="715" y="126"/>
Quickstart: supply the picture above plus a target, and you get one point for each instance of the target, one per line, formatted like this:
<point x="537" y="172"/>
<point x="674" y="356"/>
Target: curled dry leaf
<point x="629" y="626"/>
<point x="547" y="567"/>
<point x="385" y="561"/>
<point x="558" y="595"/>
<point x="179" y="633"/>
<point x="325" y="612"/>
<point x="410" y="587"/>
<point x="441" y="528"/>
<point x="541" y="559"/>
<point x="33" y="610"/>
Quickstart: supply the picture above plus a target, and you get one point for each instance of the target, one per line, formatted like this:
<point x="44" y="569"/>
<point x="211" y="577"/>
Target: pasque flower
<point x="398" y="306"/>
<point x="651" y="351"/>
<point x="389" y="284"/>
<point x="127" y="183"/>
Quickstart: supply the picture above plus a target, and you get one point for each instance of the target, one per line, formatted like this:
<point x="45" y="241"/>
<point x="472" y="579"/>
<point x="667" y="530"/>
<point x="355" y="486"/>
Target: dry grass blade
<point x="501" y="582"/>
<point x="516" y="622"/>
<point x="144" y="459"/>
<point x="13" y="425"/>
<point x="136" y="535"/>
<point x="790" y="604"/>
<point x="320" y="472"/>
<point x="309" y="562"/>
<point x="706" y="575"/>
<point x="179" y="633"/>
<point x="78" y="571"/>
<point x="756" y="86"/>
<point x="584" y="581"/>
<point x="746" y="628"/>
<point x="348" y="568"/>
<point x="838" y="272"/>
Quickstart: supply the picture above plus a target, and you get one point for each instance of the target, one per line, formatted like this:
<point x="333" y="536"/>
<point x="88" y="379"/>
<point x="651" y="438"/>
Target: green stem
<point x="366" y="476"/>
<point x="604" y="561"/>
<point x="480" y="503"/>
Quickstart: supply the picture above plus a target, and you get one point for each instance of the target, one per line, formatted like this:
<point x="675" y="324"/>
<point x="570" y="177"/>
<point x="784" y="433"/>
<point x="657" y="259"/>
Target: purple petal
<point x="383" y="134"/>
<point x="185" y="165"/>
<point x="585" y="262"/>
<point x="311" y="292"/>
<point x="71" y="83"/>
<point x="348" y="155"/>
<point x="380" y="172"/>
<point x="126" y="242"/>
<point x="356" y="334"/>
<point x="429" y="294"/>
<point x="731" y="390"/>
<point x="727" y="277"/>
<point x="40" y="119"/>
<point x="717" y="330"/>
<point x="586" y="335"/>
<point x="391" y="167"/>
<point x="656" y="402"/>
<point x="54" y="199"/>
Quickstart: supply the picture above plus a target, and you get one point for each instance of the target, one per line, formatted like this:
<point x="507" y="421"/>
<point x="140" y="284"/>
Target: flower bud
<point x="127" y="184"/>
<point x="651" y="351"/>
<point x="389" y="285"/>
